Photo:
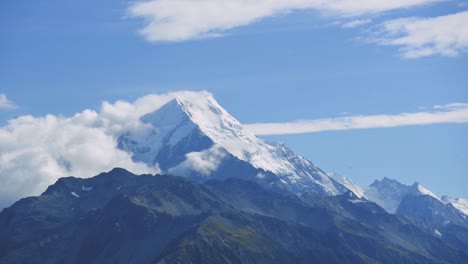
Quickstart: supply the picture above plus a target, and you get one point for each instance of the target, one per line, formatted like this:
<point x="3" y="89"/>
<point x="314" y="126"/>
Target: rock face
<point x="117" y="217"/>
<point x="387" y="193"/>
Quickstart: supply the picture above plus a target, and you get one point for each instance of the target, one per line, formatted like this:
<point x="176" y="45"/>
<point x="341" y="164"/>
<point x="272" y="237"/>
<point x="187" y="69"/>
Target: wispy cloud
<point x="181" y="20"/>
<point x="5" y="103"/>
<point x="419" y="37"/>
<point x="356" y="23"/>
<point x="451" y="113"/>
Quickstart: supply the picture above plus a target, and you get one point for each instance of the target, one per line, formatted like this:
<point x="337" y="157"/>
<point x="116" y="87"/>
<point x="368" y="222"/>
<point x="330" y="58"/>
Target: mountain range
<point x="118" y="217"/>
<point x="222" y="195"/>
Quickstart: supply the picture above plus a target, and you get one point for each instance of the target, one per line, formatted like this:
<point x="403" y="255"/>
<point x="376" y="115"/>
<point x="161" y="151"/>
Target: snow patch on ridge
<point x="423" y="191"/>
<point x="86" y="189"/>
<point x="459" y="203"/>
<point x="348" y="183"/>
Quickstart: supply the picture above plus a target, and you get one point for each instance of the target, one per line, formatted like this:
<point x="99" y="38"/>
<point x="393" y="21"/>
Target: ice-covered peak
<point x="212" y="119"/>
<point x="170" y="114"/>
<point x="200" y="108"/>
<point x="387" y="193"/>
<point x="421" y="190"/>
<point x="202" y="111"/>
<point x="387" y="183"/>
<point x="195" y="122"/>
<point x="224" y="130"/>
<point x="348" y="183"/>
<point x="459" y="203"/>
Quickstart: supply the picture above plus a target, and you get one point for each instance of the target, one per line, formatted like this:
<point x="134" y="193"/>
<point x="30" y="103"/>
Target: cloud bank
<point x="181" y="20"/>
<point x="36" y="151"/>
<point x="419" y="37"/>
<point x="5" y="103"/>
<point x="451" y="113"/>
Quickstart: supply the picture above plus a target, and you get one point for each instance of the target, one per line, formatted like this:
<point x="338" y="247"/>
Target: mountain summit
<point x="193" y="136"/>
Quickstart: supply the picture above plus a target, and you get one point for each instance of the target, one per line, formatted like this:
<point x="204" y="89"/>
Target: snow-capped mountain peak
<point x="421" y="190"/>
<point x="387" y="193"/>
<point x="202" y="111"/>
<point x="213" y="120"/>
<point x="195" y="122"/>
<point x="459" y="203"/>
<point x="348" y="183"/>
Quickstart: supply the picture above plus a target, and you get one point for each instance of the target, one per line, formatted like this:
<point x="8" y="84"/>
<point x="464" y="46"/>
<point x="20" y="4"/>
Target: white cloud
<point x="180" y="20"/>
<point x="36" y="151"/>
<point x="452" y="106"/>
<point x="203" y="162"/>
<point x="356" y="23"/>
<point x="451" y="113"/>
<point x="419" y="37"/>
<point x="5" y="103"/>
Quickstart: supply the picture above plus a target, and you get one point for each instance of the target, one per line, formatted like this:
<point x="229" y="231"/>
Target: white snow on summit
<point x="190" y="112"/>
<point x="349" y="184"/>
<point x="422" y="190"/>
<point x="167" y="126"/>
<point x="459" y="203"/>
<point x="389" y="193"/>
<point x="227" y="132"/>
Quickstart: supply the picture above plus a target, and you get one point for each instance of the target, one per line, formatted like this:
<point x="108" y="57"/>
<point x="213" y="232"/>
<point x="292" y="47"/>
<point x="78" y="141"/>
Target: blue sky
<point x="296" y="60"/>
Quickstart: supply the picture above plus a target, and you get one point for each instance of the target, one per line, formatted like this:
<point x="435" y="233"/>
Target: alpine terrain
<point x="193" y="136"/>
<point x="225" y="196"/>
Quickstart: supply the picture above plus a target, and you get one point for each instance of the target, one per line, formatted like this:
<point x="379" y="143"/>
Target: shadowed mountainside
<point x="118" y="217"/>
